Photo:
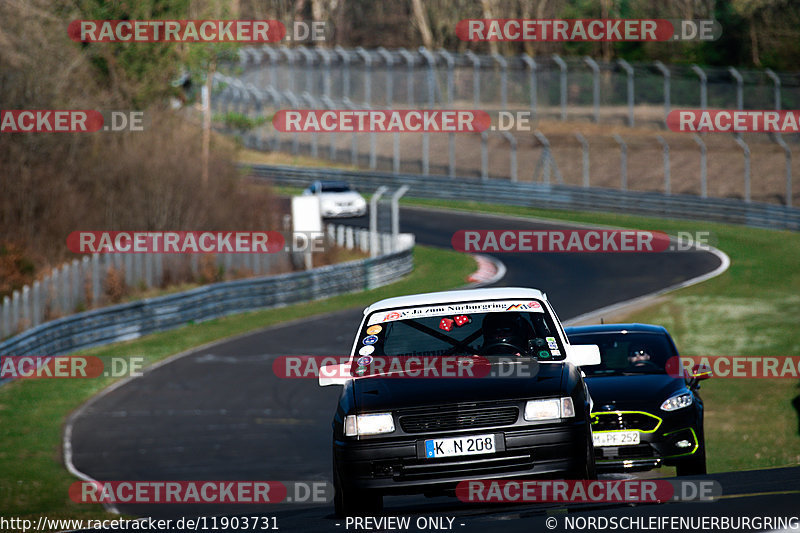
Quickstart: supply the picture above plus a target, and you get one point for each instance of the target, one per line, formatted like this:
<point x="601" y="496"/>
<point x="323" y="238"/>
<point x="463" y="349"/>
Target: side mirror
<point x="334" y="375"/>
<point x="583" y="354"/>
<point x="697" y="374"/>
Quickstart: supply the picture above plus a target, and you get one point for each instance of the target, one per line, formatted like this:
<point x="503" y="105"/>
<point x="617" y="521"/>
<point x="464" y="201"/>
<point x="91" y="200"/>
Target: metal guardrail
<point x="549" y="196"/>
<point x="135" y="319"/>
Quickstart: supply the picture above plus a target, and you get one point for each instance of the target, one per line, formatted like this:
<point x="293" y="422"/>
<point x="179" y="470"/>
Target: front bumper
<point x="674" y="436"/>
<point x="398" y="466"/>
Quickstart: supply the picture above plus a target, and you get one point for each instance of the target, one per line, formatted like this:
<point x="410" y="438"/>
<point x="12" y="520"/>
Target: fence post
<point x="396" y="214"/>
<point x="426" y="140"/>
<point x="373" y="220"/>
<point x="448" y="57"/>
<point x="389" y="62"/>
<point x="354" y="139"/>
<point x="476" y="77"/>
<point x="409" y="59"/>
<point x="5" y="326"/>
<point x="546" y="161"/>
<point x="563" y="66"/>
<point x="311" y="102"/>
<point x="746" y="151"/>
<point x="503" y="79"/>
<point x="15" y="297"/>
<point x="273" y="64"/>
<point x="26" y="307"/>
<point x="703" y="86"/>
<point x="367" y="75"/>
<point x="328" y="103"/>
<point x="531" y="63"/>
<point x="294" y="102"/>
<point x="37" y="304"/>
<point x="665" y="72"/>
<point x="484" y="155"/>
<point x="788" y="152"/>
<point x="512" y="142"/>
<point x="776" y="82"/>
<point x="585" y="154"/>
<point x="629" y="71"/>
<point x="595" y="87"/>
<point x="739" y="90"/>
<point x="667" y="180"/>
<point x="345" y="57"/>
<point x="623" y="162"/>
<point x="309" y="61"/>
<point x="326" y="74"/>
<point x="289" y="53"/>
<point x="703" y="173"/>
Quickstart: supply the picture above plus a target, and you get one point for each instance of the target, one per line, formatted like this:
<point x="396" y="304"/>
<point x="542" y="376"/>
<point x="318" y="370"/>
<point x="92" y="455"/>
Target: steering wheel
<point x="501" y="347"/>
<point x="644" y="364"/>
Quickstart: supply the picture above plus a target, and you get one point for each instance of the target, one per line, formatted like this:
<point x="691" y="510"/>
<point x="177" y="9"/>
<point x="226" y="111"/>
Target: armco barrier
<point x="548" y="196"/>
<point x="132" y="320"/>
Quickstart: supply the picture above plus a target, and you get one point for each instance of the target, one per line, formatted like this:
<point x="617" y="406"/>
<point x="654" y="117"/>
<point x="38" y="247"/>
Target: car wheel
<point x="694" y="465"/>
<point x="591" y="467"/>
<point x="348" y="501"/>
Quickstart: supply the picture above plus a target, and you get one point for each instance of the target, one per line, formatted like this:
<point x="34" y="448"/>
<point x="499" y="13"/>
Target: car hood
<point x="339" y="197"/>
<point x="379" y="393"/>
<point x="632" y="392"/>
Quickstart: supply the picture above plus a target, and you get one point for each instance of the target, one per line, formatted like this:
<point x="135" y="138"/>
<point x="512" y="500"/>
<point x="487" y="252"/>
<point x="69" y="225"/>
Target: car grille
<point x="615" y="420"/>
<point x="637" y="451"/>
<point x="465" y="467"/>
<point x="459" y="419"/>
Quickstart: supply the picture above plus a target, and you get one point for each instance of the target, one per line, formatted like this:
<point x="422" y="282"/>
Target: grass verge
<point x="33" y="480"/>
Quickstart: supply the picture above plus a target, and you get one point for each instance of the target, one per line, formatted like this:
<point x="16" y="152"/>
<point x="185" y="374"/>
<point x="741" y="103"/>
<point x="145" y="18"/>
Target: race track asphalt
<point x="220" y="413"/>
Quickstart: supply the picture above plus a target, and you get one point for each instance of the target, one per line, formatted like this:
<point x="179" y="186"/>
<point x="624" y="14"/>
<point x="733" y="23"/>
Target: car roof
<point x="468" y="295"/>
<point x="616" y="328"/>
<point x="333" y="183"/>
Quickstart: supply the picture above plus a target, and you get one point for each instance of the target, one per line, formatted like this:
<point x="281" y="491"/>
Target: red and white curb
<point x="490" y="270"/>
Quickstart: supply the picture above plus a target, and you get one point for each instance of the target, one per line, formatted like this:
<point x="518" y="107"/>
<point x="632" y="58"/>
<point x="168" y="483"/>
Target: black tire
<point x="694" y="465"/>
<point x="591" y="466"/>
<point x="348" y="501"/>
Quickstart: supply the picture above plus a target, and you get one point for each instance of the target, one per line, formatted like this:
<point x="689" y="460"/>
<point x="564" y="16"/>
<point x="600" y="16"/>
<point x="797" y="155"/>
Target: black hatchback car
<point x="646" y="412"/>
<point x="397" y="432"/>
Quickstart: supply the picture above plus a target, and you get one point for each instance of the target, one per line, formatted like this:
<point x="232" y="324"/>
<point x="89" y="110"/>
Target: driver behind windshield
<point x="505" y="333"/>
<point x="638" y="356"/>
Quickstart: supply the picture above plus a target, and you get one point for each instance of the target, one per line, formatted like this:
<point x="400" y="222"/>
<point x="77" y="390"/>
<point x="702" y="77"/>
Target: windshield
<point x="335" y="187"/>
<point x="627" y="353"/>
<point x="516" y="328"/>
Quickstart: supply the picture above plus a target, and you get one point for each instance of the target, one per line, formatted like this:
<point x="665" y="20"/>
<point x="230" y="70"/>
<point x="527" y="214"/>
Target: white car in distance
<point x="337" y="199"/>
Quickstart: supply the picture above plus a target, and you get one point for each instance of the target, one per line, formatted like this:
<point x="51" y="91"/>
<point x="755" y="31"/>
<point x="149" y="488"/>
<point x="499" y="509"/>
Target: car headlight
<point x="678" y="401"/>
<point x="372" y="424"/>
<point x="552" y="409"/>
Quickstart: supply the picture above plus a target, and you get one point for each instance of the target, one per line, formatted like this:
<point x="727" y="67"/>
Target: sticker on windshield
<point x="447" y="310"/>
<point x="374" y="330"/>
<point x="556" y="352"/>
<point x="544" y="354"/>
<point x="360" y="371"/>
<point x="371" y="339"/>
<point x="446" y="324"/>
<point x="366" y="350"/>
<point x="364" y="361"/>
<point x="551" y="343"/>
